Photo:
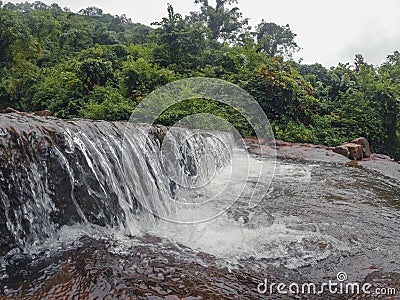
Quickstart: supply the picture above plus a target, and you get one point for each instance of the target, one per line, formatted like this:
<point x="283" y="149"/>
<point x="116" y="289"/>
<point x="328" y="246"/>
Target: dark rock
<point x="59" y="181"/>
<point x="93" y="270"/>
<point x="297" y="151"/>
<point x="68" y="172"/>
<point x="356" y="150"/>
<point x="261" y="150"/>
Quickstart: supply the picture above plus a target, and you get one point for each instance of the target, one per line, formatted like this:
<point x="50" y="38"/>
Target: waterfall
<point x="55" y="173"/>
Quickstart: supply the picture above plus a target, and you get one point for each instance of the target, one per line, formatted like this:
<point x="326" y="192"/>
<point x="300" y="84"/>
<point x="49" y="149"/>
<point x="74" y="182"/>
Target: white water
<point x="242" y="232"/>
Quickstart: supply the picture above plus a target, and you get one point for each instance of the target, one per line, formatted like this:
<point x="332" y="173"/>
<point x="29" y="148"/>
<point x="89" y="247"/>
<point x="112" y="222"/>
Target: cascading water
<point x="61" y="173"/>
<point x="98" y="209"/>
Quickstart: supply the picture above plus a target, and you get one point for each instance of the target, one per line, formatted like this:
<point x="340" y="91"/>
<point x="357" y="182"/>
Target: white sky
<point x="329" y="31"/>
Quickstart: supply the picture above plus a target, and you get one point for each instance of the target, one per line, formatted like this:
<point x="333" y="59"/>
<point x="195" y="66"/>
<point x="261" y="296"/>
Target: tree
<point x="359" y="61"/>
<point x="92" y="11"/>
<point x="99" y="66"/>
<point x="61" y="92"/>
<point x="38" y="5"/>
<point x="94" y="72"/>
<point x="389" y="98"/>
<point x="18" y="54"/>
<point x="282" y="92"/>
<point x="15" y="38"/>
<point x="276" y="40"/>
<point x="106" y="103"/>
<point x="140" y="77"/>
<point x="46" y="30"/>
<point x="225" y="23"/>
<point x="180" y="42"/>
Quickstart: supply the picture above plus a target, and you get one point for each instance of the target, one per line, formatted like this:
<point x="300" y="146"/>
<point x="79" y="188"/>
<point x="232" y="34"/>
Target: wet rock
<point x="296" y="151"/>
<point x="55" y="172"/>
<point x="310" y="154"/>
<point x="382" y="164"/>
<point x="172" y="297"/>
<point x="94" y="270"/>
<point x="60" y="182"/>
<point x="282" y="144"/>
<point x="254" y="140"/>
<point x="381" y="157"/>
<point x="261" y="150"/>
<point x="154" y="298"/>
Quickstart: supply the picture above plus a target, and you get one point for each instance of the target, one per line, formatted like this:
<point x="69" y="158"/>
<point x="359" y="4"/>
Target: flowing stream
<point x="96" y="210"/>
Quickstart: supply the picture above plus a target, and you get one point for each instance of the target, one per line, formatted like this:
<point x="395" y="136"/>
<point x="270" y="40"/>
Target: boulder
<point x="351" y="150"/>
<point x="356" y="150"/>
<point x="342" y="150"/>
<point x="43" y="113"/>
<point x="366" y="149"/>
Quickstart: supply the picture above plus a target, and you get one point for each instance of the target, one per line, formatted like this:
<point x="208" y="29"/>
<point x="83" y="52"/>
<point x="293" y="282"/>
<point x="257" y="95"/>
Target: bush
<point x="295" y="132"/>
<point x="140" y="77"/>
<point x="106" y="103"/>
<point x="202" y="106"/>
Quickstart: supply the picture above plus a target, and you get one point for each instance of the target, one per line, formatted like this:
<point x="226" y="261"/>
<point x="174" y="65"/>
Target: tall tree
<point x="225" y="22"/>
<point x="389" y="98"/>
<point x="92" y="11"/>
<point x="275" y="40"/>
<point x="180" y="41"/>
<point x="359" y="61"/>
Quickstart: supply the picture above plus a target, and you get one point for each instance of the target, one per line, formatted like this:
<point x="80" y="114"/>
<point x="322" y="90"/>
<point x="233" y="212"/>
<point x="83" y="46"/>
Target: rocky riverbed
<point x="72" y="227"/>
<point x="320" y="153"/>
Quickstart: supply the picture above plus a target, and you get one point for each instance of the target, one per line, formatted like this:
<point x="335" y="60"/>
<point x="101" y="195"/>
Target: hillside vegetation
<point x="94" y="65"/>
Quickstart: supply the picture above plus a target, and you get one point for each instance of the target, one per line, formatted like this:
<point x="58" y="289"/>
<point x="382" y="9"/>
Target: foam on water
<point x="242" y="232"/>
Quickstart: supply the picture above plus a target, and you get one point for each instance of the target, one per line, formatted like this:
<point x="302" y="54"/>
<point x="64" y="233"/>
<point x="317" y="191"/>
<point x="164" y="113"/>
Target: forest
<point x="98" y="66"/>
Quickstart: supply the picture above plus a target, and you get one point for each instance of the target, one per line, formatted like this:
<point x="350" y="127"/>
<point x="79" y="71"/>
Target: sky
<point x="328" y="31"/>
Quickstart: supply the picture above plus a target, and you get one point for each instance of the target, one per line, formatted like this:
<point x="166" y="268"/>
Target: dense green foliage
<point x="95" y="65"/>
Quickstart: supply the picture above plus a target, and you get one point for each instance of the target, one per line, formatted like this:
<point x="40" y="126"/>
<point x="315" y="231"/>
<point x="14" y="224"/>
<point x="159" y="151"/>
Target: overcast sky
<point x="329" y="31"/>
